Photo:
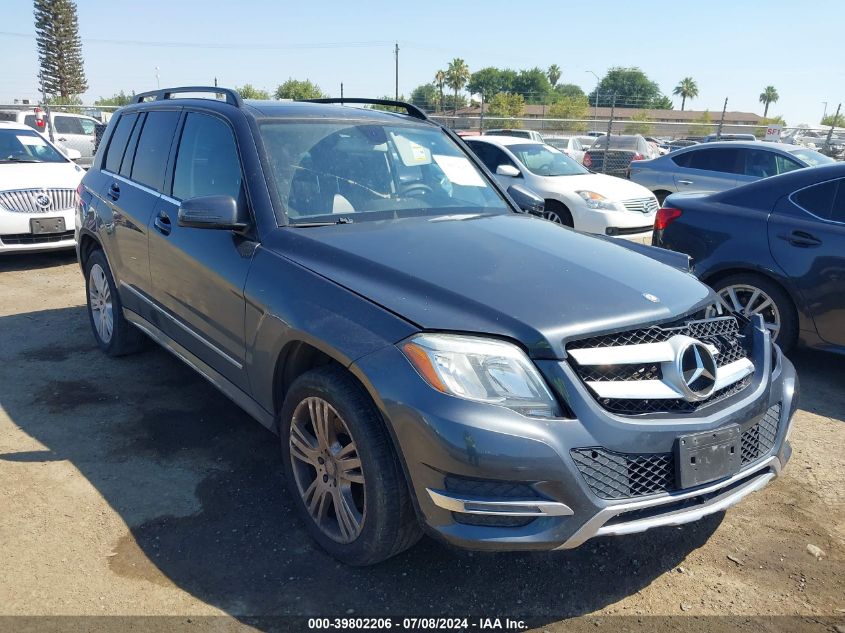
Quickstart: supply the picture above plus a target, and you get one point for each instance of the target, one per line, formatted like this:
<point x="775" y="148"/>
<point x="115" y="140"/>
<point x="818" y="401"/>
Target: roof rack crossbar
<point x="232" y="96"/>
<point x="411" y="109"/>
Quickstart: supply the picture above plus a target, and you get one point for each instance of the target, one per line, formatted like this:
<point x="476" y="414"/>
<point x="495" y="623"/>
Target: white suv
<point x="37" y="191"/>
<point x="70" y="131"/>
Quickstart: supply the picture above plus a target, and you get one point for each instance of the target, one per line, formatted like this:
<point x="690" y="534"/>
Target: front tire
<point x="558" y="214"/>
<point x="341" y="470"/>
<point x="114" y="334"/>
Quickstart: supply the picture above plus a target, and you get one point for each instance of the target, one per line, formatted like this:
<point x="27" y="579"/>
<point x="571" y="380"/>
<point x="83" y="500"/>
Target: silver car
<point x="720" y="166"/>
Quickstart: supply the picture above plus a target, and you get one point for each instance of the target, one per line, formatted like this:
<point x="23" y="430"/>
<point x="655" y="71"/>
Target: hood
<point x="610" y="187"/>
<point x="509" y="275"/>
<point x="40" y="176"/>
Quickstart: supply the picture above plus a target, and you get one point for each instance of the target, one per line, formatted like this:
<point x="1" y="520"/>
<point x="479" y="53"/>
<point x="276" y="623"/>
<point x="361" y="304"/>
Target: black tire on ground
<point x="558" y="213"/>
<point x="390" y="524"/>
<point x="661" y="196"/>
<point x="123" y="337"/>
<point x="788" y="334"/>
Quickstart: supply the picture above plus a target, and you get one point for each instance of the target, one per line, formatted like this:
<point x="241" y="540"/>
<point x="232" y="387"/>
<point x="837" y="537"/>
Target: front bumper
<point x="15" y="235"/>
<point x="616" y="223"/>
<point x="537" y="495"/>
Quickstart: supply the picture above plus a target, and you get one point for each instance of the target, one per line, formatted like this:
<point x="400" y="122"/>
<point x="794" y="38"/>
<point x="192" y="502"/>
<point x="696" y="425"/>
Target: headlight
<point x="482" y="370"/>
<point x="597" y="201"/>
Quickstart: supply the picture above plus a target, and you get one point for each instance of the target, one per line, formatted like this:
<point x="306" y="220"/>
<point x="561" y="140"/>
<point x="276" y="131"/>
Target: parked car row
<point x="70" y="131"/>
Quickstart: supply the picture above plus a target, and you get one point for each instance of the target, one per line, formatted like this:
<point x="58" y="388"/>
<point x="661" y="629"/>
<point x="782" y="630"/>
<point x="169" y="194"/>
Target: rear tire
<point x="113" y="333"/>
<point x="336" y="453"/>
<point x="754" y="293"/>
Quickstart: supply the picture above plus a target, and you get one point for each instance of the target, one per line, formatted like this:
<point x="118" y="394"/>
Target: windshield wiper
<point x="11" y="159"/>
<point x="305" y="225"/>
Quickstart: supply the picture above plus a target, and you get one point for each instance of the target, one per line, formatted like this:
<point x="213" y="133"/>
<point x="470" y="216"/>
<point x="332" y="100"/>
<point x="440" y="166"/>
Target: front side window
<point x="26" y="146"/>
<point x="207" y="163"/>
<point x="154" y="147"/>
<point x="368" y="171"/>
<point x="545" y="160"/>
<point x="490" y="155"/>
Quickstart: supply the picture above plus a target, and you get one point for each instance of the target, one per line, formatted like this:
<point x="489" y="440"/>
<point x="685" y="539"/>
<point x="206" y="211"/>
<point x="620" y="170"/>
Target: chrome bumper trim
<point x="762" y="474"/>
<point x="469" y="504"/>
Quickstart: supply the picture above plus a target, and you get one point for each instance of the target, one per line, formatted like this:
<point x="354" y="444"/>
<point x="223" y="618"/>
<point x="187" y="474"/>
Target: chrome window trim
<point x="184" y="327"/>
<point x="145" y="188"/>
<point x="791" y="198"/>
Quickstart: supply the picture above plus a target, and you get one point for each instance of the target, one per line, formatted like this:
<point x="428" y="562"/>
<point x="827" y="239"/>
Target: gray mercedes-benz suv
<point x="432" y="357"/>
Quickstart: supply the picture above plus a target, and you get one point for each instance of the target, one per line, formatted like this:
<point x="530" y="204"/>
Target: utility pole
<point x="609" y="131"/>
<point x="481" y="116"/>
<point x="824" y="116"/>
<point x="341" y="93"/>
<point x="215" y="82"/>
<point x="396" y="53"/>
<point x="158" y="83"/>
<point x="46" y="107"/>
<point x="832" y="125"/>
<point x="722" y="121"/>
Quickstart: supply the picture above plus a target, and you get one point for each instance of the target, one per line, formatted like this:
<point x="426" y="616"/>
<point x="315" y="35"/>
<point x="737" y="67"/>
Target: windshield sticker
<point x="459" y="170"/>
<point x="411" y="153"/>
<point x="25" y="139"/>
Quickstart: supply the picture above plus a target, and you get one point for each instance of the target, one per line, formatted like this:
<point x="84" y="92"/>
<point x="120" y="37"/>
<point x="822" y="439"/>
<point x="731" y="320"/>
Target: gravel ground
<point x="131" y="487"/>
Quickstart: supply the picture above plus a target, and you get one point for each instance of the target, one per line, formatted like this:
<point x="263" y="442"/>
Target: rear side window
<point x="758" y="163"/>
<point x="68" y="125"/>
<point x="723" y="159"/>
<point x="825" y="200"/>
<point x="117" y="144"/>
<point x="154" y="148"/>
<point x="207" y="163"/>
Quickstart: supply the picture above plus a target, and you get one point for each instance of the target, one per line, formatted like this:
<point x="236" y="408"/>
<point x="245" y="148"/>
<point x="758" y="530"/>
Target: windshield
<point x="617" y="142"/>
<point x="544" y="160"/>
<point x="334" y="170"/>
<point x="812" y="158"/>
<point x="25" y="146"/>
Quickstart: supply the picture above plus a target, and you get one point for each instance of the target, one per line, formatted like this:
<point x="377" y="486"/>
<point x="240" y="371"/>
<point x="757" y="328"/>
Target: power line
<point x="208" y="45"/>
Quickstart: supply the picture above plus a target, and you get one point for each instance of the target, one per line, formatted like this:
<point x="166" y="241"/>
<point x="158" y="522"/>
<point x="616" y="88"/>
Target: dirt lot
<point x="132" y="487"/>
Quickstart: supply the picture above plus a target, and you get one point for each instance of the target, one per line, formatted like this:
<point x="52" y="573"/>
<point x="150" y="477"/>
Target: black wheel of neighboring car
<point x="113" y="333"/>
<point x="558" y="214"/>
<point x="751" y="294"/>
<point x="341" y="469"/>
<point x="661" y="196"/>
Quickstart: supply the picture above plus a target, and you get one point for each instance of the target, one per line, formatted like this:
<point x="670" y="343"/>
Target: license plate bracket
<point x="43" y="226"/>
<point x="704" y="457"/>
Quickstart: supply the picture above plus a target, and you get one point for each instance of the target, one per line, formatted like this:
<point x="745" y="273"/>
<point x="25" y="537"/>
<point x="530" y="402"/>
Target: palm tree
<point x="457" y="76"/>
<point x="554" y="73"/>
<point x="440" y="81"/>
<point x="769" y="95"/>
<point x="686" y="89"/>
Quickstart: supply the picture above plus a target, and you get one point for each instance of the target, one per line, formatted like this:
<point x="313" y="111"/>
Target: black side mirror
<point x="211" y="212"/>
<point x="527" y="200"/>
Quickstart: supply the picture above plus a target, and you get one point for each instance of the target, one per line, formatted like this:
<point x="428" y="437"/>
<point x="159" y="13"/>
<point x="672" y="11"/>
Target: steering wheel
<point x="417" y="190"/>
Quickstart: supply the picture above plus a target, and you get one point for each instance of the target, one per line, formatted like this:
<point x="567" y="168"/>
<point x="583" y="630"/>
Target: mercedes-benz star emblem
<point x="697" y="370"/>
<point x="43" y="201"/>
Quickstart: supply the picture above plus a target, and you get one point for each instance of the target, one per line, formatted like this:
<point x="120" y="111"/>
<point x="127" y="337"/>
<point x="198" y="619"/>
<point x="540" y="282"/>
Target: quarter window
<point x="117" y="144"/>
<point x="154" y="148"/>
<point x="787" y="164"/>
<point x="207" y="163"/>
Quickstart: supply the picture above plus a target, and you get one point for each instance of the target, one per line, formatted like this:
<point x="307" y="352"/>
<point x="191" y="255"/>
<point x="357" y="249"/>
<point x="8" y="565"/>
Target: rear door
<point x="807" y="239"/>
<point x="706" y="169"/>
<point x="198" y="275"/>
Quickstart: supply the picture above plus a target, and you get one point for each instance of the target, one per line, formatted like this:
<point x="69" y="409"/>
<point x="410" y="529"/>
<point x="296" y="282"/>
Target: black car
<point x="775" y="247"/>
<point x="432" y="357"/>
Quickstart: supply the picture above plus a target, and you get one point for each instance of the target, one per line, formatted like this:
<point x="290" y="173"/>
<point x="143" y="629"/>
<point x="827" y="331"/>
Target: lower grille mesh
<point x="612" y="475"/>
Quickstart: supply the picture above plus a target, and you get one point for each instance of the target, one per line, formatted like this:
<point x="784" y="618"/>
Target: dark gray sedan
<point x="715" y="167"/>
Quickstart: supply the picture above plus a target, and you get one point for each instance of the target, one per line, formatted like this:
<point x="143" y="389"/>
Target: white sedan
<point x="37" y="191"/>
<point x="575" y="196"/>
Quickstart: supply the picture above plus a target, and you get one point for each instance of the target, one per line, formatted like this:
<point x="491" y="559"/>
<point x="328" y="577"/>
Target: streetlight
<point x="824" y="116"/>
<point x="596" y="102"/>
<point x="158" y="83"/>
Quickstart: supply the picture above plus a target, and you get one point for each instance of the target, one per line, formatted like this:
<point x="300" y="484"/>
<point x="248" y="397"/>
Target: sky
<point x="732" y="49"/>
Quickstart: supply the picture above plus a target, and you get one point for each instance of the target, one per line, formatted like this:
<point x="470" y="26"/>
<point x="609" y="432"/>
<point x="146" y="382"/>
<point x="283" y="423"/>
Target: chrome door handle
<point x="685" y="182"/>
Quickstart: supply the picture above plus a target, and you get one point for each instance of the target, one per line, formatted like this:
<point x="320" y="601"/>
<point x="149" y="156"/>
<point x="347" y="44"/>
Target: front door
<point x="198" y="275"/>
<point x="807" y="239"/>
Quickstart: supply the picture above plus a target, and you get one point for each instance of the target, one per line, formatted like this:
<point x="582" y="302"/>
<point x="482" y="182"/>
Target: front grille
<point x="722" y="333"/>
<point x="29" y="238"/>
<point x="613" y="475"/>
<point x="641" y="205"/>
<point x="31" y="201"/>
<point x="492" y="489"/>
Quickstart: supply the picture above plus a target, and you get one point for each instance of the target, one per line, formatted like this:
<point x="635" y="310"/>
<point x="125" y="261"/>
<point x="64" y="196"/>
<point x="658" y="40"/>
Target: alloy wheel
<point x="327" y="469"/>
<point x="99" y="300"/>
<point x="551" y="216"/>
<point x="748" y="301"/>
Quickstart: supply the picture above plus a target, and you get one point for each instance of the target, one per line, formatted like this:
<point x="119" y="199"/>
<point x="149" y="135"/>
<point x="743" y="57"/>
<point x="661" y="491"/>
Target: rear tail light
<point x="79" y="191"/>
<point x="588" y="162"/>
<point x="665" y="217"/>
<point x="638" y="156"/>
